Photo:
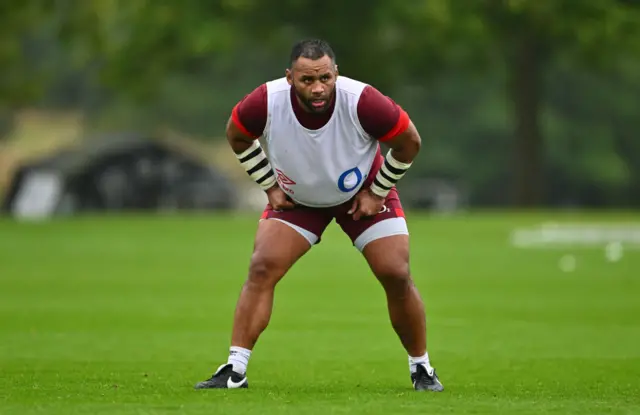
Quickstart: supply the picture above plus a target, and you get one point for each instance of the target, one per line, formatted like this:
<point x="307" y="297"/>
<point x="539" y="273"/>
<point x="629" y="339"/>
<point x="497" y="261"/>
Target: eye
<point x="325" y="78"/>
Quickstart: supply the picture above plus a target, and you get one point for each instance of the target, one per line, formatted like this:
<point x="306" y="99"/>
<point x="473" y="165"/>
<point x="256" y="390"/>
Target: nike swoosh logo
<point x="234" y="385"/>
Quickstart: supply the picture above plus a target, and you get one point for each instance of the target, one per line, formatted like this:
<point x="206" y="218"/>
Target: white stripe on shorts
<point x="387" y="227"/>
<point x="311" y="237"/>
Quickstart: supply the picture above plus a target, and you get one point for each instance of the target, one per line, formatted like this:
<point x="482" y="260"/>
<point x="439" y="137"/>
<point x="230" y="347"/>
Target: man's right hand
<point x="278" y="199"/>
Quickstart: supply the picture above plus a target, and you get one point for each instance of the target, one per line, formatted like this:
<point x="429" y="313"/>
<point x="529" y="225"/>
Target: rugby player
<point x="325" y="162"/>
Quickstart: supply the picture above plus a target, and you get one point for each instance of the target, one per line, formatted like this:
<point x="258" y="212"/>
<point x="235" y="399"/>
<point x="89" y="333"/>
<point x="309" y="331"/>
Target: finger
<point x="369" y="216"/>
<point x="371" y="213"/>
<point x="354" y="206"/>
<point x="288" y="205"/>
<point x="365" y="214"/>
<point x="358" y="214"/>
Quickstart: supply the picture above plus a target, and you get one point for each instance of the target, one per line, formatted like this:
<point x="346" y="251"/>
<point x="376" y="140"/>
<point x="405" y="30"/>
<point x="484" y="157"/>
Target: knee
<point x="264" y="271"/>
<point x="395" y="278"/>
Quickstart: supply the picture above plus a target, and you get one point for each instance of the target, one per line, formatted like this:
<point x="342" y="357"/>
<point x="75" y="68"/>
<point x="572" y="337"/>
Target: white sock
<point x="239" y="358"/>
<point x="422" y="360"/>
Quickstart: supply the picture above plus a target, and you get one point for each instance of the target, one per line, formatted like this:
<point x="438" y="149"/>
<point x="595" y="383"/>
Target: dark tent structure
<point x="117" y="173"/>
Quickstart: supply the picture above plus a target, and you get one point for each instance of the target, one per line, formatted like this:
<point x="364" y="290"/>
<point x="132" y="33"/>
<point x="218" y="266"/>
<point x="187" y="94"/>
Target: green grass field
<point x="124" y="315"/>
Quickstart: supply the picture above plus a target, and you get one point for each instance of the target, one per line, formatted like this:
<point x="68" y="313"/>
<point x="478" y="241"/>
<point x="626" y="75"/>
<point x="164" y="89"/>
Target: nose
<point x="317" y="89"/>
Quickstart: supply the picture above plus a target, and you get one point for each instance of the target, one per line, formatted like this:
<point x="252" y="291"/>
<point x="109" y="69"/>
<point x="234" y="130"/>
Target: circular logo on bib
<point x="349" y="180"/>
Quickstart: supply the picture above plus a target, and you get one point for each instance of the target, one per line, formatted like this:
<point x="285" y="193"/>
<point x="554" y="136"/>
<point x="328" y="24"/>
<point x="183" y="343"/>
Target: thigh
<point x="310" y="223"/>
<point x="388" y="258"/>
<point x="276" y="248"/>
<point x="390" y="221"/>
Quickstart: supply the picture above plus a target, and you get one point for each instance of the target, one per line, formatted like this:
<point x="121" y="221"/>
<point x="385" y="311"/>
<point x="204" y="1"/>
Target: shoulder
<point x="277" y="85"/>
<point x="371" y="99"/>
<point x="350" y="86"/>
<point x="250" y="113"/>
<point x="379" y="115"/>
<point x="256" y="98"/>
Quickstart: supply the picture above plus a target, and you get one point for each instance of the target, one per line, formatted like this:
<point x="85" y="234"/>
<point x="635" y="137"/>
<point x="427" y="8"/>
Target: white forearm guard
<point x="391" y="171"/>
<point x="257" y="166"/>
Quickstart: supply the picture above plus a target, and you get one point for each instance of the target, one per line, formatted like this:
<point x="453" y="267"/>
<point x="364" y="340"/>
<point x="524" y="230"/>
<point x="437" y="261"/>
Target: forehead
<point x="309" y="67"/>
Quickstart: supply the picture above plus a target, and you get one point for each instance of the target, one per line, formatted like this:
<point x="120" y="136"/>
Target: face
<point x="314" y="82"/>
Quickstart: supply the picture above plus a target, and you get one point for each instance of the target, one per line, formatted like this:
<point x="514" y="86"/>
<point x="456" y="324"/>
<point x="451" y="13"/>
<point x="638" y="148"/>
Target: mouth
<point x="318" y="103"/>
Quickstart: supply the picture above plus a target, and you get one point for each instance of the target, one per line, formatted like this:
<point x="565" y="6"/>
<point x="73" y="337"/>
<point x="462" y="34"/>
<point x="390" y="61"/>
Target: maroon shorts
<point x="316" y="220"/>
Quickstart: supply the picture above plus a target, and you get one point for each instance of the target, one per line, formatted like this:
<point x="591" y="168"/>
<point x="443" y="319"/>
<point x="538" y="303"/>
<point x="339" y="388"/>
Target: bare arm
<point x="406" y="145"/>
<point x="387" y="122"/>
<point x="250" y="155"/>
<point x="238" y="140"/>
<point x="244" y="127"/>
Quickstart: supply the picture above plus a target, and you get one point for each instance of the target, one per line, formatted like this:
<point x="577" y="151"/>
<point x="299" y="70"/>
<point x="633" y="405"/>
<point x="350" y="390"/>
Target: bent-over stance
<point x="323" y="133"/>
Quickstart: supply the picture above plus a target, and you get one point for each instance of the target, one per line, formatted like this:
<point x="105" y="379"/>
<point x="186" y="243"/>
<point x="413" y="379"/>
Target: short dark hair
<point x="311" y="49"/>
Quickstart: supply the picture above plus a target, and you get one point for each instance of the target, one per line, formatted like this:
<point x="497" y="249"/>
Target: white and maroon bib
<point x="324" y="167"/>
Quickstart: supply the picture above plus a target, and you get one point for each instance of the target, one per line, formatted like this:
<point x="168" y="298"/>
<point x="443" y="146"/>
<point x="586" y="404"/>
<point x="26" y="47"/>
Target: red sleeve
<point x="250" y="114"/>
<point x="380" y="116"/>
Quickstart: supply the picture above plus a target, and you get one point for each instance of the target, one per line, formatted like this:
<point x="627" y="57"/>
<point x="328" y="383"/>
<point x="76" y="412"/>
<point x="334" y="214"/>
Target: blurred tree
<point x="447" y="61"/>
<point x="526" y="35"/>
<point x="407" y="41"/>
<point x="20" y="82"/>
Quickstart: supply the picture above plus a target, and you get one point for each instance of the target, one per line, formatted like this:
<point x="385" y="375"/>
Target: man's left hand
<point x="366" y="204"/>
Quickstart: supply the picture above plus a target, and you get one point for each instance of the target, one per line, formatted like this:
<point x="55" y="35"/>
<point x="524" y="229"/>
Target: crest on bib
<point x="350" y="180"/>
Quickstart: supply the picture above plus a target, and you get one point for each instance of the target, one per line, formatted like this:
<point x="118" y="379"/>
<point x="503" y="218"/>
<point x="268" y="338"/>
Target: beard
<point x="308" y="103"/>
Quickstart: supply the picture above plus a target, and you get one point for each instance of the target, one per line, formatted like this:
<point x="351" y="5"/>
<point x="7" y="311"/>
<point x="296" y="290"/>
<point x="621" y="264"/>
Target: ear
<point x="289" y="75"/>
<point x="336" y="70"/>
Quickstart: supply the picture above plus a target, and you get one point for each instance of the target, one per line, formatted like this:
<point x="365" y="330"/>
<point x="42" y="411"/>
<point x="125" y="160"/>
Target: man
<point x="323" y="133"/>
